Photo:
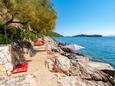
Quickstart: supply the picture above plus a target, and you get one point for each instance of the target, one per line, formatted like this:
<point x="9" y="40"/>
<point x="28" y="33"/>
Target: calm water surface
<point x="96" y="48"/>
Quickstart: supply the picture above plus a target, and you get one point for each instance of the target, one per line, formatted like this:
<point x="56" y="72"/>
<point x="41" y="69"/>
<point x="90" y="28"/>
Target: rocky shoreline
<point x="76" y="69"/>
<point x="55" y="65"/>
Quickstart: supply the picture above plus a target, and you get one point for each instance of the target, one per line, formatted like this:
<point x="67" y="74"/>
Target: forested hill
<point x="54" y="34"/>
<point x="85" y="35"/>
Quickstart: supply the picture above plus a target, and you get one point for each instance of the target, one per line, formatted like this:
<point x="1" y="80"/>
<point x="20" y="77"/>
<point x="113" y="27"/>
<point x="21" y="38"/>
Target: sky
<point x="85" y="17"/>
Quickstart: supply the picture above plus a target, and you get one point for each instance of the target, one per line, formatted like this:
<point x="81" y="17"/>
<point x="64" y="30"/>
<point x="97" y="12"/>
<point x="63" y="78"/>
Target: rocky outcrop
<point x="62" y="62"/>
<point x="74" y="70"/>
<point x="20" y="80"/>
<point x="52" y="45"/>
<point x="80" y="74"/>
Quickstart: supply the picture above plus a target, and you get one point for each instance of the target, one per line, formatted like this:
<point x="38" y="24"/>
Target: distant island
<point x="85" y="35"/>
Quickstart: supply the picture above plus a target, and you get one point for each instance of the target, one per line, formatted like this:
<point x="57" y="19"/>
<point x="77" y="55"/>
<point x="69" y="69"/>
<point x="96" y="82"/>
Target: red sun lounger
<point x="22" y="67"/>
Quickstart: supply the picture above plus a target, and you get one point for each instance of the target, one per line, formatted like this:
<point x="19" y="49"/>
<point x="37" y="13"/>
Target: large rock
<point x="77" y="81"/>
<point x="78" y="73"/>
<point x="100" y="65"/>
<point x="62" y="62"/>
<point x="90" y="75"/>
<point x="84" y="75"/>
<point x="59" y="63"/>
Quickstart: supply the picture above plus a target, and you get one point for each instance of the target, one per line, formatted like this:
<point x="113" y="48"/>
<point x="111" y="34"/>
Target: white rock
<point x="49" y="63"/>
<point x="67" y="81"/>
<point x="99" y="65"/>
<point x="63" y="62"/>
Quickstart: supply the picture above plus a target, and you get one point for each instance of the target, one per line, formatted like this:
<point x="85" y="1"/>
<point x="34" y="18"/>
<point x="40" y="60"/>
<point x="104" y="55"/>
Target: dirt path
<point x="37" y="67"/>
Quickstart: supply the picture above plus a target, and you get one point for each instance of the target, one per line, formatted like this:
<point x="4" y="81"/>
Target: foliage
<point x="14" y="34"/>
<point x="2" y="39"/>
<point x="37" y="12"/>
<point x="36" y="16"/>
<point x="30" y="35"/>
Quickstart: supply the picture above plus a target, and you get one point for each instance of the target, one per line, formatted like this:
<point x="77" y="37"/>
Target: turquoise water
<point x="96" y="48"/>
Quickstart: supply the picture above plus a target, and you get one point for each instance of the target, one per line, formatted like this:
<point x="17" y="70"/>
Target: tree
<point x="34" y="15"/>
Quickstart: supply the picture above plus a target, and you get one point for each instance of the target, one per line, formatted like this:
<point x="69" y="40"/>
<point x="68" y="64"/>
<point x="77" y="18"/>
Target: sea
<point x="101" y="49"/>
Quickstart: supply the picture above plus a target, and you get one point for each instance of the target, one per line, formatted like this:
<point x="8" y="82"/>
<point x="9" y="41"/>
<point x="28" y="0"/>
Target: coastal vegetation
<point x="26" y="19"/>
<point x="54" y="34"/>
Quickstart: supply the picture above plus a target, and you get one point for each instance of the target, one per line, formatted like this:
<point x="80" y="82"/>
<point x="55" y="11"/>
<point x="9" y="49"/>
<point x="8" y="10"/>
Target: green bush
<point x="2" y="39"/>
<point x="14" y="34"/>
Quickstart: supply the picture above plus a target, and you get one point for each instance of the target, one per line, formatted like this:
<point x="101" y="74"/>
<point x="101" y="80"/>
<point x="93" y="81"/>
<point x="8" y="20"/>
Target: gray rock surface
<point x="21" y="80"/>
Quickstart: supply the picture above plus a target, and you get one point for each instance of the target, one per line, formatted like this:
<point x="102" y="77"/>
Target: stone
<point x="62" y="62"/>
<point x="20" y="80"/>
<point x="67" y="81"/>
